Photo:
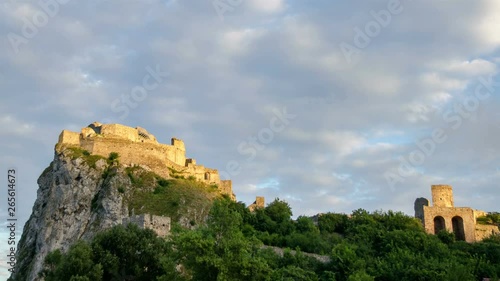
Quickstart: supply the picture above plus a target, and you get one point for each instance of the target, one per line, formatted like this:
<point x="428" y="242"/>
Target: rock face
<point x="73" y="202"/>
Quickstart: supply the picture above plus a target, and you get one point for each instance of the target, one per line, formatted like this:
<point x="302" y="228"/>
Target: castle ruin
<point x="257" y="204"/>
<point x="160" y="225"/>
<point x="138" y="147"/>
<point x="443" y="215"/>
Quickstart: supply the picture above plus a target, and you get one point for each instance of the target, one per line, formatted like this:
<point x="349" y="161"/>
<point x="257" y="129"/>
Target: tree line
<point x="362" y="246"/>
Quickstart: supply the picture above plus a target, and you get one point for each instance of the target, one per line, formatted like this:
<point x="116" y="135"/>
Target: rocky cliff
<point x="80" y="194"/>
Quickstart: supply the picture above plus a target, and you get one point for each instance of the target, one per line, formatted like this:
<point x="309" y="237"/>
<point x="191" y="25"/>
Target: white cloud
<point x="487" y="25"/>
<point x="238" y="42"/>
<point x="267" y="6"/>
<point x="11" y="126"/>
<point x="472" y="68"/>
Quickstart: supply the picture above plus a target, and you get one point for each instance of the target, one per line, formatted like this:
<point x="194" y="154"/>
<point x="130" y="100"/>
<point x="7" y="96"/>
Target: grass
<point x="175" y="198"/>
<point x="141" y="178"/>
<point x="489" y="219"/>
<point x="91" y="160"/>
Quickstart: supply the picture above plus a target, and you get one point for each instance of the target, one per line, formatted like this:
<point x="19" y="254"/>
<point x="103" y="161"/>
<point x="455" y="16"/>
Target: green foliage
<point x="220" y="251"/>
<point x="168" y="197"/>
<point x="388" y="246"/>
<point x="294" y="273"/>
<point x="331" y="222"/>
<point x="278" y="210"/>
<point x="163" y="182"/>
<point x="178" y="174"/>
<point x="77" y="264"/>
<point x="77" y="152"/>
<point x="446" y="237"/>
<point x="141" y="178"/>
<point x="360" y="276"/>
<point x="113" y="156"/>
<point x="108" y="173"/>
<point x="490" y="219"/>
<point x="121" y="253"/>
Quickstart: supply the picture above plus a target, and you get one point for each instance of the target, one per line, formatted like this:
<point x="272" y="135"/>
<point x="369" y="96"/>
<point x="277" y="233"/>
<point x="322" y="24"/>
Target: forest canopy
<point x="362" y="246"/>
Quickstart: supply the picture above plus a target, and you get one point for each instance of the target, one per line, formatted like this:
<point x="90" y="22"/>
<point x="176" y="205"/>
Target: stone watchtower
<point x="443" y="215"/>
<point x="257" y="204"/>
<point x="442" y="195"/>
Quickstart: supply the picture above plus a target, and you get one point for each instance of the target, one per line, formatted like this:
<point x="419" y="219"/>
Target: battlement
<point x="136" y="146"/>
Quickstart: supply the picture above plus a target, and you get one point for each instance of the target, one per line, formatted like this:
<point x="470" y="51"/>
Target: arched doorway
<point x="207" y="176"/>
<point x="458" y="228"/>
<point x="439" y="224"/>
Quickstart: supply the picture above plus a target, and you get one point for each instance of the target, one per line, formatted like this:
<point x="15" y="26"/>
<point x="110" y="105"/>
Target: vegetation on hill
<point x="175" y="197"/>
<point x="490" y="219"/>
<point x="148" y="193"/>
<point x="363" y="246"/>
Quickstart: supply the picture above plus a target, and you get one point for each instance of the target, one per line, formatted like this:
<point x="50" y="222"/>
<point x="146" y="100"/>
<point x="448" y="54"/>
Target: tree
<point x="120" y="253"/>
<point x="130" y="252"/>
<point x="220" y="251"/>
<point x="76" y="265"/>
<point x="330" y="222"/>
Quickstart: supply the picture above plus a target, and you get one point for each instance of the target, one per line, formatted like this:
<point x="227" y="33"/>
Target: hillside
<point x="362" y="246"/>
<point x="81" y="194"/>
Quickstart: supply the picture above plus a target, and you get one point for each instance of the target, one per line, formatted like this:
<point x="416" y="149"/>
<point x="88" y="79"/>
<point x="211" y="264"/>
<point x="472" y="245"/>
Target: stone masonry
<point x="160" y="225"/>
<point x="462" y="221"/>
<point x="257" y="204"/>
<point x="138" y="147"/>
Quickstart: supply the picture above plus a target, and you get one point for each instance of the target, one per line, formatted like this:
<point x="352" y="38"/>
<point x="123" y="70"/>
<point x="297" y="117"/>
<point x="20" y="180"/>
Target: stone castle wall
<point x="447" y="213"/>
<point x="257" y="204"/>
<point x="137" y="147"/>
<point x="69" y="137"/>
<point x="485" y="231"/>
<point x="443" y="215"/>
<point x="160" y="225"/>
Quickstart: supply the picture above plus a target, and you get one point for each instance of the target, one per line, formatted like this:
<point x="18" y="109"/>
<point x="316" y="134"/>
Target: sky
<point x="329" y="105"/>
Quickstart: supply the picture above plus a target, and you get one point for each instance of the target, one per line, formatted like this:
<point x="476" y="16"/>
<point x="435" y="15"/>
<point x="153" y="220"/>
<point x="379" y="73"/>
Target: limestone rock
<point x="73" y="202"/>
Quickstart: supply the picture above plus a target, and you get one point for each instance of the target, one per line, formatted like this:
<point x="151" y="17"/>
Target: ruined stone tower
<point x="442" y="195"/>
<point x="443" y="215"/>
<point x="257" y="204"/>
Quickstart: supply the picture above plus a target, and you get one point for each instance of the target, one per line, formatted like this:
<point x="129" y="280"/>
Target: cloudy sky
<point x="329" y="105"/>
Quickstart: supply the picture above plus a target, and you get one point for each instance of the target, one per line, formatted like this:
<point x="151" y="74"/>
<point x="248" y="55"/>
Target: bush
<point x="163" y="182"/>
<point x="113" y="156"/>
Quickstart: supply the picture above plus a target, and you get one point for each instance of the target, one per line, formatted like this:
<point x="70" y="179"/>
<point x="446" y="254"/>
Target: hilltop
<point x="108" y="175"/>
